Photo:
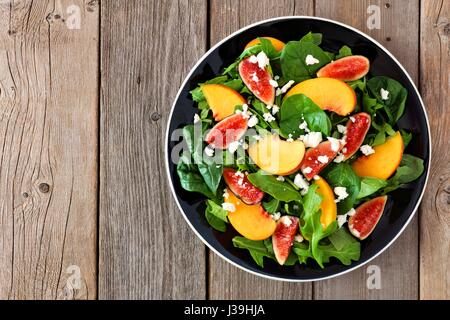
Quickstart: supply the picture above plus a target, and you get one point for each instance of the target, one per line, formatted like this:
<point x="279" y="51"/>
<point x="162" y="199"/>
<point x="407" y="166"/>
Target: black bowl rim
<point x="205" y="55"/>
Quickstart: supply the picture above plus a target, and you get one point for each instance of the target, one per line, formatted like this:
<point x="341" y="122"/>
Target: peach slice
<point x="383" y="163"/>
<point x="277" y="156"/>
<point x="222" y="100"/>
<point x="328" y="206"/>
<point x="277" y="44"/>
<point x="328" y="93"/>
<point x="251" y="221"/>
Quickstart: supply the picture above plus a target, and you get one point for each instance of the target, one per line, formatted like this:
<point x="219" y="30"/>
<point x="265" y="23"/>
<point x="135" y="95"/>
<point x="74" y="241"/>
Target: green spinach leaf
<point x="370" y="185"/>
<point x="257" y="249"/>
<point x="278" y="189"/>
<point x="410" y="169"/>
<point x="272" y="205"/>
<point x="344" y="52"/>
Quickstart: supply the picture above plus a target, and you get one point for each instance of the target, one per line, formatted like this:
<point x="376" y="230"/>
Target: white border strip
<point x="166" y="141"/>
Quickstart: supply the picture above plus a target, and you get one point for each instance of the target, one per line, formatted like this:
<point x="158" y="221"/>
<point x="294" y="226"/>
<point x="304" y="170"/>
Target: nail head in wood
<point x="44" y="187"/>
<point x="155" y="116"/>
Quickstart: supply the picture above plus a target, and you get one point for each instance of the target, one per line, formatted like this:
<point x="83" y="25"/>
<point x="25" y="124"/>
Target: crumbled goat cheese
<point x="253" y="121"/>
<point x="298" y="238"/>
<point x="287" y="221"/>
<point x="228" y="207"/>
<point x="310" y="60"/>
<point x="196" y="118"/>
<point x="307" y="170"/>
<point x="312" y="139"/>
<point x="226" y="195"/>
<point x="316" y="177"/>
<point x="340" y="157"/>
<point x="276" y="216"/>
<point x="263" y="60"/>
<point x="255" y="77"/>
<point x="280" y="178"/>
<point x="276" y="78"/>
<point x="352" y="119"/>
<point x="233" y="146"/>
<point x="268" y="117"/>
<point x="244" y="145"/>
<point x="273" y="83"/>
<point x="275" y="109"/>
<point x="300" y="182"/>
<point x="342" y="129"/>
<point x="239" y="174"/>
<point x="335" y="144"/>
<point x="323" y="159"/>
<point x="341" y="220"/>
<point x="367" y="150"/>
<point x="304" y="126"/>
<point x="351" y="212"/>
<point x="290" y="139"/>
<point x="240" y="182"/>
<point x="384" y="94"/>
<point x="341" y="192"/>
<point x="209" y="151"/>
<point x="285" y="87"/>
<point x="245" y="113"/>
<point x="344" y="150"/>
<point x="253" y="59"/>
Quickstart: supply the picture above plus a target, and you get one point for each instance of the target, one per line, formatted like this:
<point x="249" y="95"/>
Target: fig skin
<point x="366" y="217"/>
<point x="349" y="68"/>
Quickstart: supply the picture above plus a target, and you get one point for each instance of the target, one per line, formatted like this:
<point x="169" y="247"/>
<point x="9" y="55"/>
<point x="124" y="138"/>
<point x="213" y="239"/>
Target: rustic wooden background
<point x="85" y="208"/>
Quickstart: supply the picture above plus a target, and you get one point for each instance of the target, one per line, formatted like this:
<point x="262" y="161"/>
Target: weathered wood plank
<point x="225" y="280"/>
<point x="146" y="248"/>
<point x="435" y="210"/>
<point x="48" y="153"/>
<point x="399" y="264"/>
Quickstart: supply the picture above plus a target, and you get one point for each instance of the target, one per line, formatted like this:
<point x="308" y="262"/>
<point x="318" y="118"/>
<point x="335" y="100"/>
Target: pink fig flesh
<point x="229" y="130"/>
<point x="242" y="187"/>
<point x="357" y="128"/>
<point x="314" y="159"/>
<point x="283" y="237"/>
<point x="366" y="217"/>
<point x="257" y="81"/>
<point x="346" y="69"/>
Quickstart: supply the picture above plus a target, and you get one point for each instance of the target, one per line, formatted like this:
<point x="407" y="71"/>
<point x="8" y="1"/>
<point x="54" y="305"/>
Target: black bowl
<point x="402" y="203"/>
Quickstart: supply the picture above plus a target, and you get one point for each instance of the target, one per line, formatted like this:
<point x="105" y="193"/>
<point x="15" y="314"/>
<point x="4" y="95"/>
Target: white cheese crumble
<point x="255" y="77"/>
<point x="351" y="212"/>
<point x="341" y="192"/>
<point x="316" y="177"/>
<point x="310" y="60"/>
<point x="239" y="174"/>
<point x="196" y="118"/>
<point x="342" y="129"/>
<point x="367" y="150"/>
<point x="298" y="238"/>
<point x="253" y="59"/>
<point x="245" y="113"/>
<point x="335" y="144"/>
<point x="226" y="195"/>
<point x="268" y="117"/>
<point x="276" y="78"/>
<point x="344" y="150"/>
<point x="280" y="178"/>
<point x="253" y="121"/>
<point x="307" y="170"/>
<point x="323" y="159"/>
<point x="285" y="88"/>
<point x="340" y="157"/>
<point x="227" y="206"/>
<point x="275" y="109"/>
<point x="263" y="60"/>
<point x="342" y="219"/>
<point x="233" y="146"/>
<point x="240" y="182"/>
<point x="290" y="139"/>
<point x="276" y="216"/>
<point x="384" y="94"/>
<point x="312" y="139"/>
<point x="209" y="151"/>
<point x="273" y="83"/>
<point x="352" y="119"/>
<point x="304" y="126"/>
<point x="287" y="221"/>
<point x="300" y="182"/>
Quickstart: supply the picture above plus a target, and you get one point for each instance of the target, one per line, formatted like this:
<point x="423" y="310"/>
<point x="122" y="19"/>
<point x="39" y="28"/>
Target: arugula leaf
<point x="342" y="246"/>
<point x="394" y="106"/>
<point x="370" y="185"/>
<point x="297" y="107"/>
<point x="293" y="65"/>
<point x="359" y="84"/>
<point x="272" y="205"/>
<point x="344" y="52"/>
<point x="342" y="175"/>
<point x="257" y="249"/>
<point x="301" y="249"/>
<point x="370" y="105"/>
<point x="410" y="169"/>
<point x="278" y="189"/>
<point x="383" y="129"/>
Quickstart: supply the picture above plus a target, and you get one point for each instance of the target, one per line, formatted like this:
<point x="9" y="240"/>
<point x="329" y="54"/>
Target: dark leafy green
<point x="406" y="136"/>
<point x="315" y="38"/>
<point x="197" y="94"/>
<point x="257" y="249"/>
<point x="370" y="185"/>
<point x="216" y="216"/>
<point x="410" y="169"/>
<point x="344" y="52"/>
<point x="278" y="189"/>
<point x="272" y="205"/>
<point x="268" y="48"/>
<point x="231" y="70"/>
<point x="191" y="179"/>
<point x="297" y="107"/>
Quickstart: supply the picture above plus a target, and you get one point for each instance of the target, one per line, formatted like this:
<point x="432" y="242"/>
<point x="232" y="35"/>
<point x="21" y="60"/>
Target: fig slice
<point x="239" y="184"/>
<point x="283" y="237"/>
<point x="346" y="69"/>
<point x="227" y="131"/>
<point x="316" y="159"/>
<point x="257" y="81"/>
<point x="366" y="217"/>
<point x="357" y="128"/>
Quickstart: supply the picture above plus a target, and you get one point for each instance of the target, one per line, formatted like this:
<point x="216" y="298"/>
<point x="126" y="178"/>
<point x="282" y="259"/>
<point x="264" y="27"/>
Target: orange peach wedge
<point x="277" y="156"/>
<point x="277" y="44"/>
<point x="329" y="94"/>
<point x="383" y="163"/>
<point x="251" y="221"/>
<point x="328" y="206"/>
<point x="222" y="100"/>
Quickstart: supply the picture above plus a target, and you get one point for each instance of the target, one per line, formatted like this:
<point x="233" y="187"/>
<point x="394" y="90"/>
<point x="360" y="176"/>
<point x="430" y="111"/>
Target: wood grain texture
<point x="225" y="280"/>
<point x="435" y="209"/>
<point x="48" y="150"/>
<point x="398" y="264"/>
<point x="146" y="248"/>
